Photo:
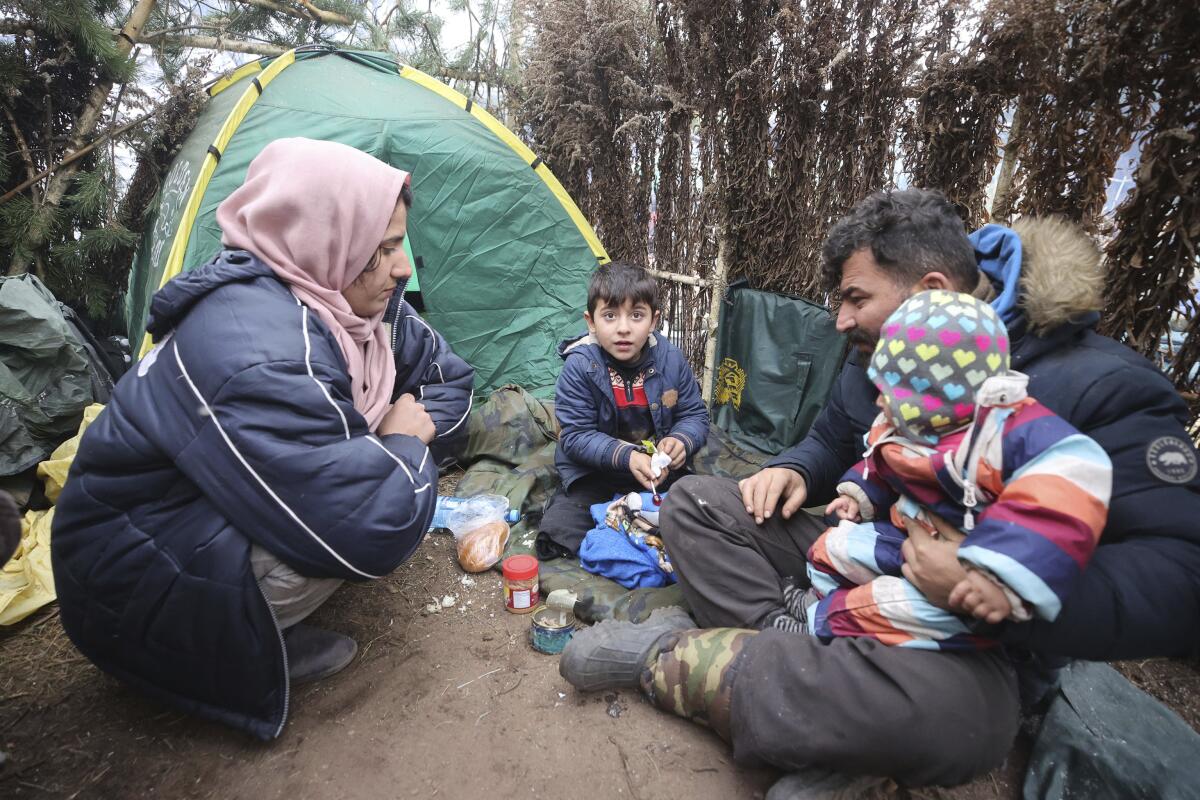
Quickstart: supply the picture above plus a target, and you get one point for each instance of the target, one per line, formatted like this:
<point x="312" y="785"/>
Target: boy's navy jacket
<point x="239" y="428"/>
<point x="587" y="411"/>
<point x="1140" y="595"/>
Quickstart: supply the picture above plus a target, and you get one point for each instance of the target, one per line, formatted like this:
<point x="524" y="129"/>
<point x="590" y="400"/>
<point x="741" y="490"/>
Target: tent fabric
<point x="45" y="377"/>
<point x="1103" y="738"/>
<point x="506" y="255"/>
<point x="27" y="581"/>
<point x="777" y="358"/>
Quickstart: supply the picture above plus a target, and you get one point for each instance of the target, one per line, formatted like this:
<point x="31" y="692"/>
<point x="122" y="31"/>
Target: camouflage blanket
<point x="510" y="452"/>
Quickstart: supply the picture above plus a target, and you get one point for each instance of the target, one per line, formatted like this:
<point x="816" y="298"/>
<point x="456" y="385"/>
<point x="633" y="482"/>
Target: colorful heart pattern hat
<point x="934" y="353"/>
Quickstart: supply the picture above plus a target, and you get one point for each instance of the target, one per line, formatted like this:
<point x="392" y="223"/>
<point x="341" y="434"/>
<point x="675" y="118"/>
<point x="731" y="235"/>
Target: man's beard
<point x="863" y="340"/>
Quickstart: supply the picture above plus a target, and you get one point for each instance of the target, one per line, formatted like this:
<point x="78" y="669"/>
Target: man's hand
<point x="763" y="491"/>
<point x="639" y="465"/>
<point x="931" y="564"/>
<point x="674" y="448"/>
<point x="980" y="597"/>
<point x="410" y="417"/>
<point x="845" y="507"/>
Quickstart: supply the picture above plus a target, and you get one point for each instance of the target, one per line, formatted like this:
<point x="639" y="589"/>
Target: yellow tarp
<point x="26" y="581"/>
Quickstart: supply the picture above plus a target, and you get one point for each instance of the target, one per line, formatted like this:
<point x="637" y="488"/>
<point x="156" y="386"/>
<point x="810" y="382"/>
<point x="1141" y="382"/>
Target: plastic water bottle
<point x="447" y="505"/>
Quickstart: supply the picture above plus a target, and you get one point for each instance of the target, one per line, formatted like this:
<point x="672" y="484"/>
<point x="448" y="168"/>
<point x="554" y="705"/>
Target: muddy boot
<point x="612" y="654"/>
<point x="10" y="527"/>
<point x="822" y="784"/>
<point x="314" y="654"/>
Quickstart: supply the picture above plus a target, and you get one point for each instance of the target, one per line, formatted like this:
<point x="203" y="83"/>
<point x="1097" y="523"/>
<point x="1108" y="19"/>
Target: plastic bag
<point x="480" y="532"/>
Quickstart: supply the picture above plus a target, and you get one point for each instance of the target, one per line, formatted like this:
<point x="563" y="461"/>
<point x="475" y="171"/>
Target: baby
<point x="958" y="441"/>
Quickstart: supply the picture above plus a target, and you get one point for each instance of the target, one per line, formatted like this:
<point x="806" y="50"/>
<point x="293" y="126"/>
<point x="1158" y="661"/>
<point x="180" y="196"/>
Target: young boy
<point x="621" y="385"/>
<point x="959" y="438"/>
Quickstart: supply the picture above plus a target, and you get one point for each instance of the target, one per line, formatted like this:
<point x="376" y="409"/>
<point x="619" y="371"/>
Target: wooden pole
<point x="717" y="286"/>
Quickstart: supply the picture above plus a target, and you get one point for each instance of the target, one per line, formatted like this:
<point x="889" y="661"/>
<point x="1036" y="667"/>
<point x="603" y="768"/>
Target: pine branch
<point x="85" y="123"/>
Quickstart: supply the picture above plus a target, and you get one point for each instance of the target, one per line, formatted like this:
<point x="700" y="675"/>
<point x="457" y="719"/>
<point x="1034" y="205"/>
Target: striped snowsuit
<point x="1030" y="491"/>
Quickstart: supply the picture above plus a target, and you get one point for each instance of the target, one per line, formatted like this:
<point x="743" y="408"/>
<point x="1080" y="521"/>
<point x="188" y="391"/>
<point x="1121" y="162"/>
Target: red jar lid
<point x="520" y="568"/>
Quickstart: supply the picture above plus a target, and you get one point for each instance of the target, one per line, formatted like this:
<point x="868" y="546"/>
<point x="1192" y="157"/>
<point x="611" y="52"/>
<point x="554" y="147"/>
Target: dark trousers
<point x="853" y="705"/>
<point x="568" y="516"/>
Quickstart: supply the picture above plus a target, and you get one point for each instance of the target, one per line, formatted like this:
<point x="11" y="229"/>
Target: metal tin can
<point x="550" y="629"/>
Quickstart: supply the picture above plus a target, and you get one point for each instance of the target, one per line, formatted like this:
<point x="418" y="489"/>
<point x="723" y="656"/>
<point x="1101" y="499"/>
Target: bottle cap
<point x="520" y="568"/>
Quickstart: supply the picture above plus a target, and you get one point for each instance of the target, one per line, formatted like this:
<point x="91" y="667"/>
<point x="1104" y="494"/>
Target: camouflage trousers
<point x="692" y="677"/>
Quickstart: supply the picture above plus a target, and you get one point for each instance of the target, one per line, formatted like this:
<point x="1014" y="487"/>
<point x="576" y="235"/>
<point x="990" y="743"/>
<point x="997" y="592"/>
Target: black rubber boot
<point x="612" y="654"/>
<point x="314" y="653"/>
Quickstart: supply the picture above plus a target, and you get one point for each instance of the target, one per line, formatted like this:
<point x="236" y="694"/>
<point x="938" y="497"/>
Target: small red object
<point x="657" y="499"/>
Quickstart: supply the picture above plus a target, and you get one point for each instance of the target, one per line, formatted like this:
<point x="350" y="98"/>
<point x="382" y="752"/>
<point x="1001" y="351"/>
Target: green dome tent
<point x="503" y="254"/>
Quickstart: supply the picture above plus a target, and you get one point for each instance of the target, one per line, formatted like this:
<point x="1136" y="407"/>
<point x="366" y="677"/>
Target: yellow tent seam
<point x="520" y="148"/>
<point x="174" y="264"/>
<point x="248" y="68"/>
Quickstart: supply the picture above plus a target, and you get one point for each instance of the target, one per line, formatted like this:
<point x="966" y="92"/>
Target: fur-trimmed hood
<point x="1062" y="273"/>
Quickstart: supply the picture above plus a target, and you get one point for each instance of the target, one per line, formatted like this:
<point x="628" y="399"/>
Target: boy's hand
<point x="675" y="449"/>
<point x="980" y="597"/>
<point x="639" y="465"/>
<point x="845" y="507"/>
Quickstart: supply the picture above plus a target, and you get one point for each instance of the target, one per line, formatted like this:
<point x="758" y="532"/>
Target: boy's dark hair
<point x="910" y="233"/>
<point x="618" y="281"/>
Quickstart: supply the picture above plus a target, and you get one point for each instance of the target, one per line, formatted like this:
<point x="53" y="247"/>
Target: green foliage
<point x="91" y="193"/>
<point x="79" y="267"/>
<point x="86" y="25"/>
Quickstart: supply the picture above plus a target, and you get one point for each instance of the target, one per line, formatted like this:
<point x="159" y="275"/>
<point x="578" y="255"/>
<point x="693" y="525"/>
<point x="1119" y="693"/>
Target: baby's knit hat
<point x="934" y="353"/>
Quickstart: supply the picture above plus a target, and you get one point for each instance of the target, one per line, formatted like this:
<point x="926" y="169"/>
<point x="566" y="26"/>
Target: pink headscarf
<point x="315" y="212"/>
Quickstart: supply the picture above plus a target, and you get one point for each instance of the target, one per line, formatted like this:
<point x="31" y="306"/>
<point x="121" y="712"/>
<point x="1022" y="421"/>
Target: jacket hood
<point x="172" y="302"/>
<point x="1048" y="273"/>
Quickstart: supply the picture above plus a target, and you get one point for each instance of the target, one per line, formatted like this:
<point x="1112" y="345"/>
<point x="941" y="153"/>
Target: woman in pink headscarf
<point x="268" y="448"/>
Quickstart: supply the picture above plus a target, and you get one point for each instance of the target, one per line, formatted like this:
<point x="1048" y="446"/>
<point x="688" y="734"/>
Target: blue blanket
<point x="624" y="558"/>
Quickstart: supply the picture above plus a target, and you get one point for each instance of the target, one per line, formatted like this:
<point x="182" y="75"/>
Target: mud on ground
<point x="452" y="704"/>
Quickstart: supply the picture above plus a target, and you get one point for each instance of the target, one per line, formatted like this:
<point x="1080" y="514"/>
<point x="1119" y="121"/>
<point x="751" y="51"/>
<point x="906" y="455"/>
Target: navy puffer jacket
<point x="237" y="429"/>
<point x="1140" y="594"/>
<point x="587" y="411"/>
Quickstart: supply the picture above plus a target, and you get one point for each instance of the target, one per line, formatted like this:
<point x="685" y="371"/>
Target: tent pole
<point x="717" y="286"/>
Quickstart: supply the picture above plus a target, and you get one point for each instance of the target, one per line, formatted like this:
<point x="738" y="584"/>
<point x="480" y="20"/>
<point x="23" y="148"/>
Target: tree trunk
<point x="1001" y="201"/>
<point x="85" y="124"/>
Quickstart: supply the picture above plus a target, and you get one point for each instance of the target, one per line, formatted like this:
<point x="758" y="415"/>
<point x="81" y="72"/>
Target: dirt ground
<point x="452" y="704"/>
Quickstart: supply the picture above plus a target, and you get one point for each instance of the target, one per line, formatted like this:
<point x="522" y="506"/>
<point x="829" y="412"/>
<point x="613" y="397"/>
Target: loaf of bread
<point x="481" y="548"/>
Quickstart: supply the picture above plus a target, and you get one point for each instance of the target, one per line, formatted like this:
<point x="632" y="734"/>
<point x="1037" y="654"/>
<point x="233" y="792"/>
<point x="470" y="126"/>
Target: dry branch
<point x="311" y="12"/>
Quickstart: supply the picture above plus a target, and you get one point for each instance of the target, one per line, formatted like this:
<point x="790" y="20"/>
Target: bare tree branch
<point x="78" y="154"/>
<point x="26" y="156"/>
<point x="314" y="13"/>
<point x="157" y="38"/>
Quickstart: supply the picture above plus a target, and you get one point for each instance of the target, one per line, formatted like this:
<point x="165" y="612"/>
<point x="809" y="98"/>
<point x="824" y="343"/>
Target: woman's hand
<point x="409" y="417"/>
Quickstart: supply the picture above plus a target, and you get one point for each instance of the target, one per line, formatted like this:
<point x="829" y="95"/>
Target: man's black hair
<point x="910" y="233"/>
<point x="618" y="281"/>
